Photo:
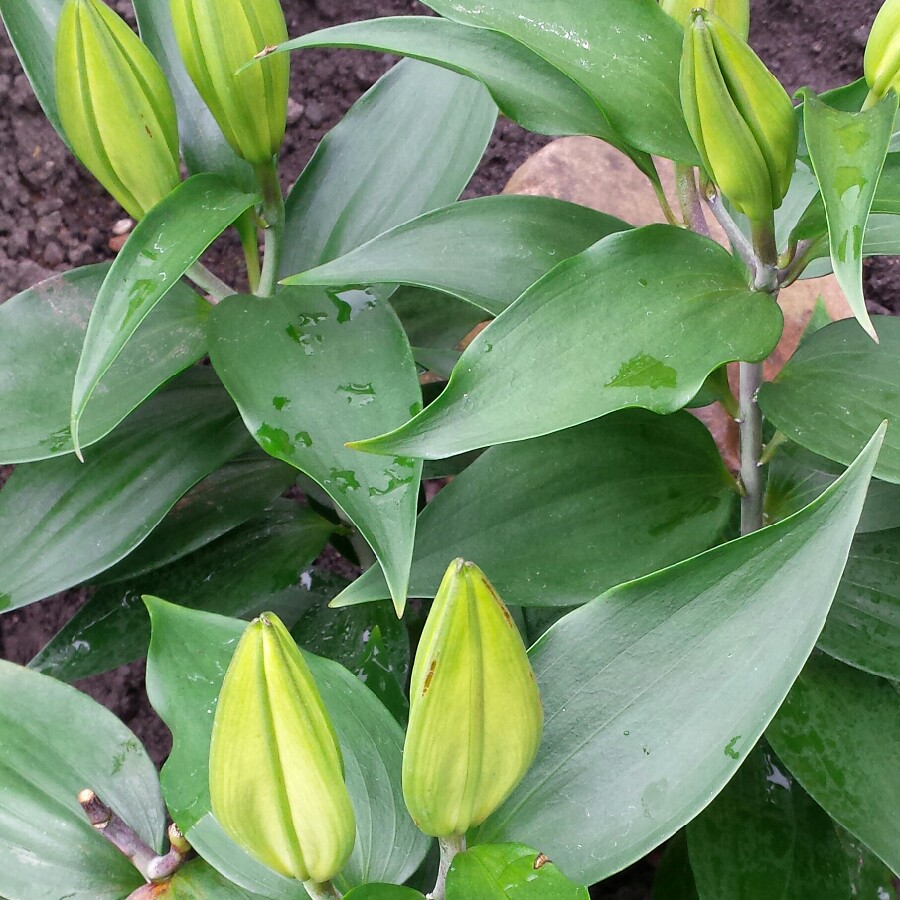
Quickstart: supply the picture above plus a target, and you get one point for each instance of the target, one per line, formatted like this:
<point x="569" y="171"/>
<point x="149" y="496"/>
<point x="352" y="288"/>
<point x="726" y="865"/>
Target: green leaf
<point x="485" y="251"/>
<point x="48" y="322"/>
<point x="527" y="89"/>
<point x="838" y="733"/>
<point x="655" y="692"/>
<point x="309" y="371"/>
<point x="196" y="880"/>
<point x="62" y="522"/>
<point x="863" y="628"/>
<point x="674" y="879"/>
<point x="254" y="568"/>
<point x="513" y="871"/>
<point x="202" y="143"/>
<point x="631" y="68"/>
<point x="383" y="892"/>
<point x="667" y="306"/>
<point x="434" y="321"/>
<point x="409" y="145"/>
<point x="545" y="518"/>
<point x="57" y="742"/>
<point x="836" y="389"/>
<point x="189" y="654"/>
<point x="870" y="878"/>
<point x="763" y="836"/>
<point x="32" y="30"/>
<point x="227" y="498"/>
<point x="162" y="247"/>
<point x="847" y="150"/>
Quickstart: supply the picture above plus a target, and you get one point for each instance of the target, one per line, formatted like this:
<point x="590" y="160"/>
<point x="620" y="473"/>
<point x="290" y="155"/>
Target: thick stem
<point x="246" y="229"/>
<point x="736" y="237"/>
<point x="450" y="846"/>
<point x="322" y="890"/>
<point x="164" y="867"/>
<point x="273" y="214"/>
<point x="120" y="835"/>
<point x="214" y="287"/>
<point x="689" y="199"/>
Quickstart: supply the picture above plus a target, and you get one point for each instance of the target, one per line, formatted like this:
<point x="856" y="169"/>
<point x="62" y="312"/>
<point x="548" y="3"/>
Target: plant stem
<point x="872" y="99"/>
<point x="450" y="846"/>
<point x="163" y="867"/>
<point x="246" y="229"/>
<point x="664" y="202"/>
<point x="215" y="288"/>
<point x="689" y="199"/>
<point x="736" y="237"/>
<point x="323" y="890"/>
<point x="273" y="214"/>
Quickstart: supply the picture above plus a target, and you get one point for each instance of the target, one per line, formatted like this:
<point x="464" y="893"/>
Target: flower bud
<point x="276" y="775"/>
<point x="115" y="106"/>
<point x="217" y="38"/>
<point x="475" y="713"/>
<point x="735" y="12"/>
<point x="882" y="60"/>
<point x="740" y="117"/>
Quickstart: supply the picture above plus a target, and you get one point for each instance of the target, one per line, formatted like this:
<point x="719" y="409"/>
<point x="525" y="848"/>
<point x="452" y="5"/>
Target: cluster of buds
<point x="116" y="107"/>
<point x="736" y="13"/>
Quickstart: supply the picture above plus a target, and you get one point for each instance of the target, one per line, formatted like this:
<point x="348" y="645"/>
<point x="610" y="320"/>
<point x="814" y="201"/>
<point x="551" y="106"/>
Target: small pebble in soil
<point x="123" y="226"/>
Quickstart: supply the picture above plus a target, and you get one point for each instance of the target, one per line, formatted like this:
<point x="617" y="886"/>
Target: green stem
<point x="273" y="214"/>
<point x="689" y="199"/>
<point x="664" y="202"/>
<point x="450" y="846"/>
<point x="211" y="284"/>
<point x="872" y="99"/>
<point x="322" y="890"/>
<point x="246" y="228"/>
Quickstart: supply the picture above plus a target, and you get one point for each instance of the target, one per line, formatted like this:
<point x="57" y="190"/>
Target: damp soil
<point x="54" y="216"/>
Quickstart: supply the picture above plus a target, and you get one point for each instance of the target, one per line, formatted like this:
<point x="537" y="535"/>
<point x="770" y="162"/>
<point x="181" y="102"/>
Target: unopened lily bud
<point x="882" y="60"/>
<point x="276" y="775"/>
<point x="115" y="106"/>
<point x="216" y="39"/>
<point x="735" y="12"/>
<point x="475" y="713"/>
<point x="740" y="117"/>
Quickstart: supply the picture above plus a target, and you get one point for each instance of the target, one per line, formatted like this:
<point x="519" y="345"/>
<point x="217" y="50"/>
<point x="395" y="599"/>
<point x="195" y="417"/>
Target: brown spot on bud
<point x="428" y="677"/>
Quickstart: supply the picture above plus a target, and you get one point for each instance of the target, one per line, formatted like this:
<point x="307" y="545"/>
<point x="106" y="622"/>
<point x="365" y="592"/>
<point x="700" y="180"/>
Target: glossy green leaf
<point x="763" y="836"/>
<point x="410" y="144"/>
<point x="870" y="878"/>
<point x="256" y="567"/>
<point x="62" y="521"/>
<point x="196" y="880"/>
<point x="47" y="323"/>
<point x="31" y="28"/>
<point x="228" y="497"/>
<point x="839" y="734"/>
<point x="863" y="628"/>
<point x="847" y="151"/>
<point x="309" y="371"/>
<point x="485" y="251"/>
<point x="508" y="872"/>
<point x="383" y="892"/>
<point x="54" y="743"/>
<point x="527" y="89"/>
<point x="189" y="643"/>
<point x="674" y="879"/>
<point x="655" y="692"/>
<point x="836" y="389"/>
<point x="202" y="143"/>
<point x="545" y="518"/>
<point x="667" y="307"/>
<point x="163" y="245"/>
<point x="631" y="68"/>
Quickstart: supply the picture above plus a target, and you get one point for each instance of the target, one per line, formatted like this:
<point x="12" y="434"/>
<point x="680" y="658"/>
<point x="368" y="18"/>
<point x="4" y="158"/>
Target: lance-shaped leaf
<point x="674" y="879"/>
<point x="630" y="68"/>
<point x="639" y="319"/>
<point x="655" y="692"/>
<point x="57" y="742"/>
<point x="839" y="732"/>
<point x="196" y="880"/>
<point x="200" y="645"/>
<point x="163" y="246"/>
<point x="485" y="251"/>
<point x="545" y="517"/>
<point x="256" y="567"/>
<point x="409" y="145"/>
<point x="836" y="389"/>
<point x="48" y="322"/>
<point x="847" y="151"/>
<point x="763" y="836"/>
<point x="62" y="521"/>
<point x="310" y="370"/>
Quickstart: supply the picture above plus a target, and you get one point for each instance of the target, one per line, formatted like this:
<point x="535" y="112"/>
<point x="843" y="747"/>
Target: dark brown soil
<point x="54" y="216"/>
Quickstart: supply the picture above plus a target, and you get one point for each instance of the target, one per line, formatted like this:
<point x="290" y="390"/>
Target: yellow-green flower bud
<point x="115" y="106"/>
<point x="475" y="715"/>
<point x="740" y="117"/>
<point x="217" y="38"/>
<point x="735" y="12"/>
<point x="882" y="60"/>
<point x="276" y="775"/>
